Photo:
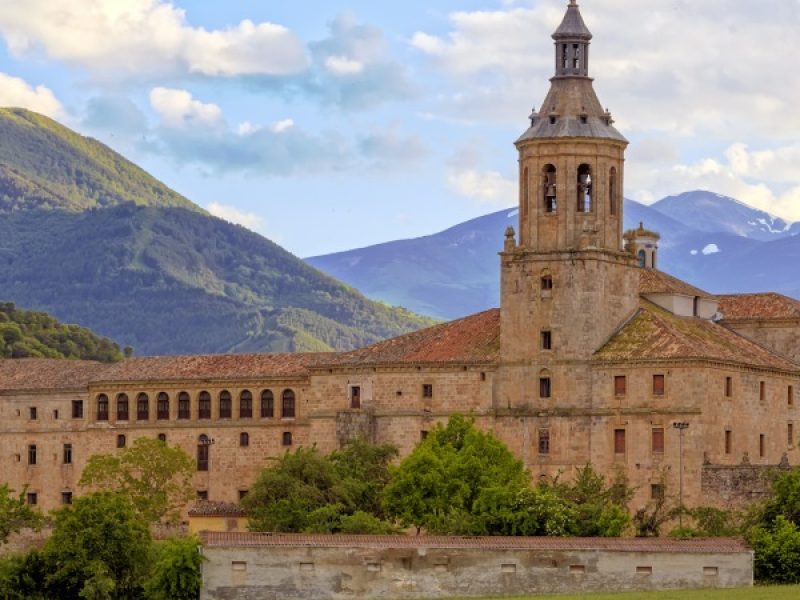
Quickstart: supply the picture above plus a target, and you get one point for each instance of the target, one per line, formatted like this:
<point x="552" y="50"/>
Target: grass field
<point x="755" y="593"/>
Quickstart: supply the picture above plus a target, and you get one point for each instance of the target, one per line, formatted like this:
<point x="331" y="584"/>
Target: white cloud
<point x="343" y="66"/>
<point x="152" y="37"/>
<point x="15" y="92"/>
<point x="485" y="186"/>
<point x="234" y="215"/>
<point x="282" y="125"/>
<point x="177" y="108"/>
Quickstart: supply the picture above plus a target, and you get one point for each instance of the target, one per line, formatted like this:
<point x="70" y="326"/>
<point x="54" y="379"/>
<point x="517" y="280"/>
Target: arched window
<point x="267" y="404"/>
<point x="525" y="199"/>
<point x="102" y="407"/>
<point x="550" y="195"/>
<point x="121" y="441"/>
<point x="612" y="190"/>
<point x="122" y="407"/>
<point x="245" y="405"/>
<point x="287" y="438"/>
<point x="203" y="452"/>
<point x="244" y="439"/>
<point x="287" y="404"/>
<point x="162" y="437"/>
<point x="142" y="407"/>
<point x="204" y="405"/>
<point x="642" y="258"/>
<point x="584" y="189"/>
<point x="162" y="406"/>
<point x="225" y="405"/>
<point x="184" y="406"/>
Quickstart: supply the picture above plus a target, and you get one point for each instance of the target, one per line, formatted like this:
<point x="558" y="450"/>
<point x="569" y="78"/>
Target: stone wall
<point x="238" y="567"/>
<point x="738" y="485"/>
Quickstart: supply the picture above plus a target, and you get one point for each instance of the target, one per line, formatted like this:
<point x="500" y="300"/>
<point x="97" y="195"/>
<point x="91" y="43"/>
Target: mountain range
<point x="712" y="241"/>
<point x="93" y="239"/>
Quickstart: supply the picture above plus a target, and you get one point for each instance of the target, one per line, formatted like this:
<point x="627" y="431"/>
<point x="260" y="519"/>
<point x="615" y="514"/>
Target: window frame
<point x="288" y="404"/>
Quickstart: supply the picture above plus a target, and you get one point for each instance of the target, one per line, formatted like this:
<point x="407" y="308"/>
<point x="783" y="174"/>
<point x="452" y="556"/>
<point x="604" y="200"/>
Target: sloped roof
<point x="209" y="508"/>
<point x="653" y="281"/>
<point x="573" y="25"/>
<point x="656" y="334"/>
<point x="31" y="374"/>
<point x="696" y="545"/>
<point x="212" y="366"/>
<point x="769" y="306"/>
<point x="469" y="340"/>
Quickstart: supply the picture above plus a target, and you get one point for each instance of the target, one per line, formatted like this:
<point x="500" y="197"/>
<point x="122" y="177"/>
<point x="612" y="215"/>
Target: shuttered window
<point x="619" y="441"/>
<point x="620" y="385"/>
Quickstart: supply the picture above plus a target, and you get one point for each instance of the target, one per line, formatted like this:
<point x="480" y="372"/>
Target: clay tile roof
<point x="656" y="334"/>
<point x="30" y="374"/>
<point x="758" y="306"/>
<point x="473" y="339"/>
<point x="217" y="366"/>
<point x="208" y="508"/>
<point x="695" y="546"/>
<point x="653" y="281"/>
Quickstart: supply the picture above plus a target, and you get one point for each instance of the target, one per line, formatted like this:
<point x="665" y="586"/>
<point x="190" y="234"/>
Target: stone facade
<point x="590" y="358"/>
<point x="248" y="566"/>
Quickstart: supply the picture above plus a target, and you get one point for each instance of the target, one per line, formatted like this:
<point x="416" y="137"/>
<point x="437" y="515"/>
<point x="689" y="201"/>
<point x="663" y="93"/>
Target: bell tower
<point x="566" y="283"/>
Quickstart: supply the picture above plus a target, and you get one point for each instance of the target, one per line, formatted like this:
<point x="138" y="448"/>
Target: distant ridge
<point x="93" y="239"/>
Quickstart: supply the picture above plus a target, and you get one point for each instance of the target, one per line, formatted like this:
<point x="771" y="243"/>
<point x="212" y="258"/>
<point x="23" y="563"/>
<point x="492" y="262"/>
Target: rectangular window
<point x="547" y="340"/>
<point x="33" y="498"/>
<point x="32" y="413"/>
<point x="544" y="441"/>
<point x="423" y="435"/>
<point x="658" y="385"/>
<point x="66" y="497"/>
<point x="620" y="385"/>
<point x="355" y="396"/>
<point x="287" y="438"/>
<point x="728" y="387"/>
<point x="545" y="390"/>
<point x="761" y="445"/>
<point x="242" y="494"/>
<point x="427" y="390"/>
<point x="790" y="396"/>
<point x="55" y="415"/>
<point x="77" y="409"/>
<point x="658" y="440"/>
<point x="32" y="454"/>
<point x="644" y="571"/>
<point x="202" y="494"/>
<point x="656" y="491"/>
<point x="790" y="434"/>
<point x="728" y="442"/>
<point x="67" y="454"/>
<point x="762" y="391"/>
<point x="710" y="571"/>
<point x="619" y="441"/>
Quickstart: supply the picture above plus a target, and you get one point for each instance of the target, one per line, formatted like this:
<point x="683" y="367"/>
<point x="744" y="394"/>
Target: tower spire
<point x="572" y="44"/>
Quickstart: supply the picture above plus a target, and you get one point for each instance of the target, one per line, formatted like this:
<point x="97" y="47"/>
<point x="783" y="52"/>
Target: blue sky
<point x="331" y="125"/>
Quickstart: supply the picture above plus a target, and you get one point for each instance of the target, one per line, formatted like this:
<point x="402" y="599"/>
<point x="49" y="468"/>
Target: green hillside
<point x="46" y="165"/>
<point x="154" y="274"/>
<point x="29" y="334"/>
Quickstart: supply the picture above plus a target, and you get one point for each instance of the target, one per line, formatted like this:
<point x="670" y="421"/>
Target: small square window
<point x="547" y="283"/>
<point x="547" y="340"/>
<point x="202" y="494"/>
<point x="121" y="441"/>
<point x="66" y="497"/>
<point x="77" y="409"/>
<point x="427" y="390"/>
<point x="544" y="441"/>
<point x="244" y="439"/>
<point x="657" y="491"/>
<point x="242" y="494"/>
<point x="32" y="498"/>
<point x="423" y="435"/>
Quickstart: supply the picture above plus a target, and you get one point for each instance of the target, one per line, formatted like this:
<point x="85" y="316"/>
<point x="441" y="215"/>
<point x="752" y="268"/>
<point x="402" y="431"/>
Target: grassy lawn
<point x="754" y="593"/>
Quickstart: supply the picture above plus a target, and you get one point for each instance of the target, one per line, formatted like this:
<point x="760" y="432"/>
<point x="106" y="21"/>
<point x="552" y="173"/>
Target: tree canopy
<point x="15" y="513"/>
<point x="156" y="477"/>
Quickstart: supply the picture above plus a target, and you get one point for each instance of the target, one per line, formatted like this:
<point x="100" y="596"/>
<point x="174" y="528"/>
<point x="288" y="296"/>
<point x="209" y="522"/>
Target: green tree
<point x="15" y="513"/>
<point x="176" y="570"/>
<point x="449" y="481"/>
<point x="777" y="551"/>
<point x="363" y="469"/>
<point x="600" y="508"/>
<point x="100" y="548"/>
<point x="156" y="477"/>
<point x="785" y="497"/>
